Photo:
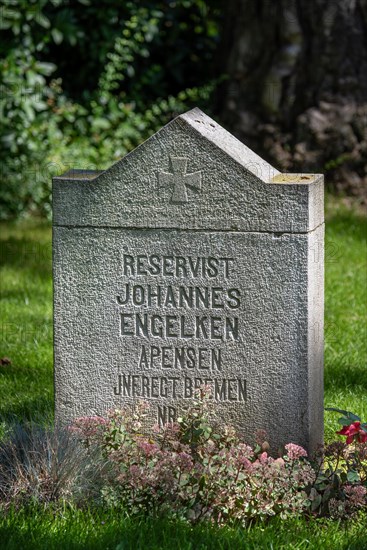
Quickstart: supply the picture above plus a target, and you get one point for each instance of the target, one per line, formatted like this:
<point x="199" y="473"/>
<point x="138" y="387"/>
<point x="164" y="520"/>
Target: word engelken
<point x="179" y="326"/>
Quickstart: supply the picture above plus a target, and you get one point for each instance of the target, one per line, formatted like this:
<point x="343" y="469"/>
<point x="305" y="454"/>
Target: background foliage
<point x="83" y="83"/>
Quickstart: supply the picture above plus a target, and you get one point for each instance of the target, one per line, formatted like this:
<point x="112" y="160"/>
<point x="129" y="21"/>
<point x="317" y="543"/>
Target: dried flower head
<point x="294" y="451"/>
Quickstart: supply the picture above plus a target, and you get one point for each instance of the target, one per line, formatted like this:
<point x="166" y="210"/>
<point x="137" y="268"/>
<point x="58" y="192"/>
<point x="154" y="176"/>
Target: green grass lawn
<point x="74" y="529"/>
<point x="345" y="312"/>
<point x="26" y="389"/>
<point x="26" y="386"/>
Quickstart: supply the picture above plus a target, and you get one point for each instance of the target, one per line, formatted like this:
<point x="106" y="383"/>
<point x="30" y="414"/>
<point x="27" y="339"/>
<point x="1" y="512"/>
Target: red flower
<point x="354" y="431"/>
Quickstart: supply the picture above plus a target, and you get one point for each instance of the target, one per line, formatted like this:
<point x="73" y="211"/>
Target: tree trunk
<point x="297" y="85"/>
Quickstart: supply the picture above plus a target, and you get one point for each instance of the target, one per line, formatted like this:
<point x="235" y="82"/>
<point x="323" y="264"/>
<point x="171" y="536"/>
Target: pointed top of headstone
<point x="191" y="174"/>
<point x="229" y="144"/>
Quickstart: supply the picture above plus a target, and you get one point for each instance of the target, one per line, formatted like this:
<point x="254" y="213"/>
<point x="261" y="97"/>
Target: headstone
<point x="191" y="261"/>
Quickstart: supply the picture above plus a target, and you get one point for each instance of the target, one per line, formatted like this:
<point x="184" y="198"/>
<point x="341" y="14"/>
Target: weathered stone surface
<point x="191" y="261"/>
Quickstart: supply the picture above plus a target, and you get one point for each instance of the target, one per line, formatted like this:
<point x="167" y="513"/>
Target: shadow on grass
<point x="38" y="409"/>
<point x="27" y="254"/>
<point x="347" y="223"/>
<point x="345" y="376"/>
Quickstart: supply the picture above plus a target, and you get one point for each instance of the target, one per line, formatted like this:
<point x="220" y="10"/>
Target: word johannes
<point x="189" y="297"/>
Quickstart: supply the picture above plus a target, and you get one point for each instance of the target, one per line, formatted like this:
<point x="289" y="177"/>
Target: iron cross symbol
<point x="180" y="179"/>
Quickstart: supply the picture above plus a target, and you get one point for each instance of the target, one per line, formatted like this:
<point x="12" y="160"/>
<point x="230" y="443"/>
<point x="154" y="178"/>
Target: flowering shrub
<point x="88" y="427"/>
<point x="190" y="471"/>
<point x="341" y="483"/>
<point x="187" y="469"/>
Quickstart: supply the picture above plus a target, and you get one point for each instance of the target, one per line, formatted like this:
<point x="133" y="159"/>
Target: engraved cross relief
<point x="180" y="179"/>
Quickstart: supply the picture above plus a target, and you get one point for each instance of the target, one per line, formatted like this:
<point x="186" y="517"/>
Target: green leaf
<point x="57" y="36"/>
<point x="101" y="124"/>
<point x="322" y="486"/>
<point x="344" y="421"/>
<point x="42" y="20"/>
<point x="322" y="477"/>
<point x="28" y="109"/>
<point x="316" y="501"/>
<point x="347" y="414"/>
<point x="341" y="411"/>
<point x="46" y="68"/>
<point x="343" y="477"/>
<point x="352" y="476"/>
<point x="39" y="106"/>
<point x="354" y="417"/>
<point x="5" y="24"/>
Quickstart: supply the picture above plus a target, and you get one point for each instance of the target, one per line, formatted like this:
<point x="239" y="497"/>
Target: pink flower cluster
<point x="295" y="452"/>
<point x="195" y="474"/>
<point x="188" y="470"/>
<point x="356" y="495"/>
<point x="355" y="499"/>
<point x="88" y="427"/>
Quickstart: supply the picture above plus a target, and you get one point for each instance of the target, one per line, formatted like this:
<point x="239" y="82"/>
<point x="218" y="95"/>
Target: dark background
<point x="82" y="83"/>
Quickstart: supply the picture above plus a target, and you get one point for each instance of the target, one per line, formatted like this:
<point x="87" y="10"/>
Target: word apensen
<point x="214" y="320"/>
<point x="172" y="357"/>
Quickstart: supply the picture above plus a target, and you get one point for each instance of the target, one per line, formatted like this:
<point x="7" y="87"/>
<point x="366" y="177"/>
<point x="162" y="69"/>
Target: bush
<point x="341" y="482"/>
<point x="23" y="107"/>
<point x="136" y="89"/>
<point x="187" y="470"/>
<point x="40" y="465"/>
<point x="191" y="471"/>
